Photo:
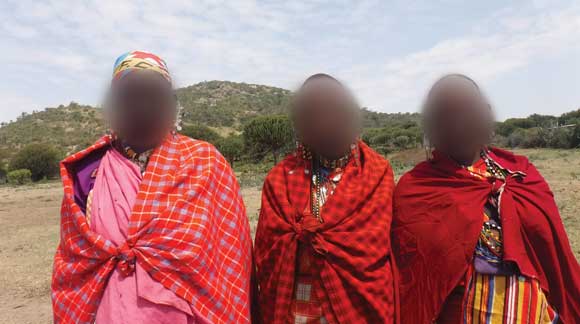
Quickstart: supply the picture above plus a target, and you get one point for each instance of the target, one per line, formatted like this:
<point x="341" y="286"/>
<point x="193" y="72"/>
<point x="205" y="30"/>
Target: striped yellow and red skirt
<point x="514" y="299"/>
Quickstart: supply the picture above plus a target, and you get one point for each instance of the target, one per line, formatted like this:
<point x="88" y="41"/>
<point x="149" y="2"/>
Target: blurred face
<point x="142" y="108"/>
<point x="326" y="117"/>
<point x="458" y="117"/>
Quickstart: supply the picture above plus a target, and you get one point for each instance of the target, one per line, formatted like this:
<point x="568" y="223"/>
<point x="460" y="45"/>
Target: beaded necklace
<point x="490" y="244"/>
<point x="492" y="167"/>
<point x="319" y="180"/>
<point x="316" y="193"/>
<point x="140" y="159"/>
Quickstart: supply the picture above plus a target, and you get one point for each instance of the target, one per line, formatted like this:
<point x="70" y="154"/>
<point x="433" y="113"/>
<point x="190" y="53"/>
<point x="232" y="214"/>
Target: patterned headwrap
<point x="139" y="60"/>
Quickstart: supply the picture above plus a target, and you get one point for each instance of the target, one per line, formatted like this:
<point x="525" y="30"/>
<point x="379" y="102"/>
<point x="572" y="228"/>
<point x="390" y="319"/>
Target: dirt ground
<point x="29" y="233"/>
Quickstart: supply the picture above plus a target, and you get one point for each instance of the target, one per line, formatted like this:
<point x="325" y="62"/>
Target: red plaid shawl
<point x="188" y="230"/>
<point x="353" y="243"/>
<point x="437" y="221"/>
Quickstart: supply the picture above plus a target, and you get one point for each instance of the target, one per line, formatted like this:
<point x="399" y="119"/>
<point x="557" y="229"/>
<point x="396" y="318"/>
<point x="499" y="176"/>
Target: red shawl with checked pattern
<point x="188" y="230"/>
<point x="352" y="244"/>
<point x="437" y="221"/>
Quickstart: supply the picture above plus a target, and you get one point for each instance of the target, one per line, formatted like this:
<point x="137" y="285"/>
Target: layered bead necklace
<point x="141" y="159"/>
<point x="492" y="167"/>
<point x="319" y="191"/>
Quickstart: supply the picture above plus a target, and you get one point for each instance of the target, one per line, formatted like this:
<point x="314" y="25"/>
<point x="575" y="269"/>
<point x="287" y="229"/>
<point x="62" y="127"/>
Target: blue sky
<point x="524" y="54"/>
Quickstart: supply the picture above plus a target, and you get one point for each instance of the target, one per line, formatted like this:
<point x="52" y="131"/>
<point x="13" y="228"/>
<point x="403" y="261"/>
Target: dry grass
<point x="29" y="229"/>
<point x="561" y="168"/>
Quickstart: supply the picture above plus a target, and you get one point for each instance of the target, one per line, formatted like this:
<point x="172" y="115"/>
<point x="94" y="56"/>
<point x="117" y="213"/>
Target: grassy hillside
<point x="228" y="104"/>
<point x="224" y="106"/>
<point x="67" y="127"/>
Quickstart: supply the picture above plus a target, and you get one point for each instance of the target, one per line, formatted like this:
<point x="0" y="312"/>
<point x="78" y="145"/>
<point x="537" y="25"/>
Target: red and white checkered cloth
<point x="352" y="245"/>
<point x="188" y="230"/>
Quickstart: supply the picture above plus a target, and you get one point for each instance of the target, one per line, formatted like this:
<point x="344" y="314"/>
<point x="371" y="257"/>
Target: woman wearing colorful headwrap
<point x="153" y="229"/>
<point x="476" y="232"/>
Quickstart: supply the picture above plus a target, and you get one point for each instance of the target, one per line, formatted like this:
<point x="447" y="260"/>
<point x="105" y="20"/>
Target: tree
<point x="572" y="117"/>
<point x="201" y="132"/>
<point x="41" y="159"/>
<point x="575" y="141"/>
<point x="231" y="148"/>
<point x="268" y="134"/>
<point x="509" y="126"/>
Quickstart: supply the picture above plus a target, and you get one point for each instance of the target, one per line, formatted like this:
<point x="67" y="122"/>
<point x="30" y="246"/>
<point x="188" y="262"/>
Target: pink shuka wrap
<point x="136" y="298"/>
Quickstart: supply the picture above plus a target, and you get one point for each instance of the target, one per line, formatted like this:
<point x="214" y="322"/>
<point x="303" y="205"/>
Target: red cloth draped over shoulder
<point x="437" y="220"/>
<point x="188" y="230"/>
<point x="353" y="243"/>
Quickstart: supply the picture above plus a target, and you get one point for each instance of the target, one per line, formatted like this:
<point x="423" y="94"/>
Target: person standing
<point x="322" y="244"/>
<point x="476" y="232"/>
<point x="153" y="228"/>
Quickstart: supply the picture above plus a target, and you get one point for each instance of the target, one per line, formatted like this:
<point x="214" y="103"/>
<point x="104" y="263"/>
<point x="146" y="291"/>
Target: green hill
<point x="226" y="107"/>
<point x="222" y="105"/>
<point x="229" y="104"/>
<point x="66" y="127"/>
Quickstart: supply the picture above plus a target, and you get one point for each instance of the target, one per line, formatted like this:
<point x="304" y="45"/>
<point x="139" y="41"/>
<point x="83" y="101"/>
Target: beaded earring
<point x="110" y="135"/>
<point x="303" y="151"/>
<point x="178" y="118"/>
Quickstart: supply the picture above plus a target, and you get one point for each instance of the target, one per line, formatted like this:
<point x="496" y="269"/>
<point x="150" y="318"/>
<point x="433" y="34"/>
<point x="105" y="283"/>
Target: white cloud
<point x="400" y="83"/>
<point x="64" y="50"/>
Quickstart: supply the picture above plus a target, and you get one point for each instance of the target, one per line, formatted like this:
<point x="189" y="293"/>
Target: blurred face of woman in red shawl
<point x="326" y="116"/>
<point x="441" y="205"/>
<point x="458" y="119"/>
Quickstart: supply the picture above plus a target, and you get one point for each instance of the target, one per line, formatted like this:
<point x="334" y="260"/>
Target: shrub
<point x="41" y="159"/>
<point x="231" y="148"/>
<point x="560" y="138"/>
<point x="528" y="138"/>
<point x="201" y="132"/>
<point x="402" y="141"/>
<point x="535" y="137"/>
<point x="516" y="138"/>
<point x="268" y="134"/>
<point x="575" y="142"/>
<point x="394" y="138"/>
<point x="19" y="177"/>
<point x="3" y="175"/>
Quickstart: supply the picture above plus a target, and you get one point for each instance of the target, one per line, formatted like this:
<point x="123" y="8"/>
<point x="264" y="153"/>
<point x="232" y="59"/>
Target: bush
<point x="41" y="159"/>
<point x="3" y="175"/>
<point x="560" y="138"/>
<point x="394" y="138"/>
<point x="402" y="142"/>
<point x="528" y="138"/>
<point x="19" y="177"/>
<point x="201" y="132"/>
<point x="231" y="148"/>
<point x="268" y="134"/>
<point x="500" y="141"/>
<point x="575" y="142"/>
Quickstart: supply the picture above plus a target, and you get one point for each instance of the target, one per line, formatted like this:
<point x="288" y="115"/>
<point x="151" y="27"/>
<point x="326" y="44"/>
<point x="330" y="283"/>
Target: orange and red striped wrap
<point x="188" y="230"/>
<point x="352" y="246"/>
